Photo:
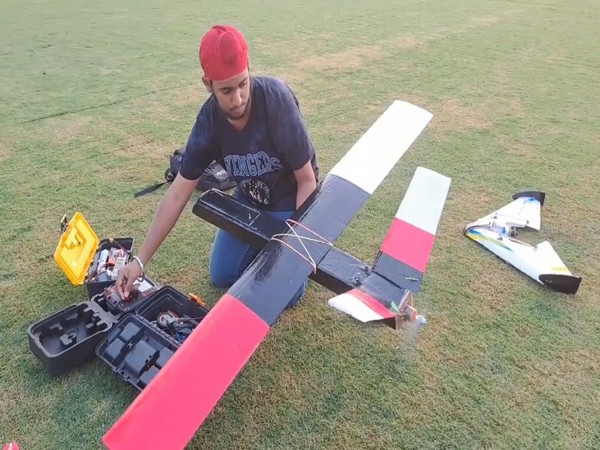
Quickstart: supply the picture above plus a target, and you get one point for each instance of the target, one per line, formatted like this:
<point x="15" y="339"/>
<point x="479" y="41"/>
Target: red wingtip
<point x="169" y="411"/>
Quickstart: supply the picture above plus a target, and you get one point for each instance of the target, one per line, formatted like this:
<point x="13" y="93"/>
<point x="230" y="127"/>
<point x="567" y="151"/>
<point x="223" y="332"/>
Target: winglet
<point x="567" y="284"/>
<point x="539" y="196"/>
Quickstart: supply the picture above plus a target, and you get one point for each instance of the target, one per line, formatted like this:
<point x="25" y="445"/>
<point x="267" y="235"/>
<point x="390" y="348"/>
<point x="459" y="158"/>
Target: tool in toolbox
<point x="141" y="291"/>
<point x="178" y="327"/>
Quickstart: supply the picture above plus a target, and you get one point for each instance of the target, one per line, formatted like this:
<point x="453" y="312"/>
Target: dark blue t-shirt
<point x="261" y="157"/>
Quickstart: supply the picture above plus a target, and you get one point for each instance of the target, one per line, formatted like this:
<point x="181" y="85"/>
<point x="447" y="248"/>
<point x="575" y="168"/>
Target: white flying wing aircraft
<point x="497" y="232"/>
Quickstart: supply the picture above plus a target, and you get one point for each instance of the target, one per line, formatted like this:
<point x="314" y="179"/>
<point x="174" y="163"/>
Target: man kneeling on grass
<point x="253" y="127"/>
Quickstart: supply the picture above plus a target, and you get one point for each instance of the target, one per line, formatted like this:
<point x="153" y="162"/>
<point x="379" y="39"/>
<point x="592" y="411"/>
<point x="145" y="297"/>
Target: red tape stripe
<point x="169" y="411"/>
<point x="372" y="303"/>
<point x="408" y="244"/>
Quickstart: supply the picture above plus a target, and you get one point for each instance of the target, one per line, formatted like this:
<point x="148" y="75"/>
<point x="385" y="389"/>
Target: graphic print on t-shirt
<point x="249" y="166"/>
<point x="256" y="190"/>
<point x="252" y="164"/>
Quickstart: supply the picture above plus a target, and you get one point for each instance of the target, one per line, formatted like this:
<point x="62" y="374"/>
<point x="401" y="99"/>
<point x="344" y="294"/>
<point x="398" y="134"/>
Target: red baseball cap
<point x="223" y="53"/>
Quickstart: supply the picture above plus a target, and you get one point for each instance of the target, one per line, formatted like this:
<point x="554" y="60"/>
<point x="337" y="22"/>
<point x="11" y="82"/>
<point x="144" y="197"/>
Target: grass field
<point x="94" y="97"/>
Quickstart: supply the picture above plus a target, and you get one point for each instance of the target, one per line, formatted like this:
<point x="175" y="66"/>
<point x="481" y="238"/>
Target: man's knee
<point x="228" y="259"/>
<point x="221" y="275"/>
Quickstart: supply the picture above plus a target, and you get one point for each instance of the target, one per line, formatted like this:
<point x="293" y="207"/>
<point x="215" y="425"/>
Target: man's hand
<point x="126" y="278"/>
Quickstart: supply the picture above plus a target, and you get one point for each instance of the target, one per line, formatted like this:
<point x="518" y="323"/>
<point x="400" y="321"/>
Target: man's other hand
<point x="126" y="278"/>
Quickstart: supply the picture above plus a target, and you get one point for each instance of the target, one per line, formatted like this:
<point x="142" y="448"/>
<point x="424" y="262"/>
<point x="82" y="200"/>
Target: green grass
<point x="96" y="95"/>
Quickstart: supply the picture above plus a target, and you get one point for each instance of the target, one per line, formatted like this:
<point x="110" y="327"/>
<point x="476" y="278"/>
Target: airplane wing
<point x="168" y="412"/>
<point x="524" y="211"/>
<point x="404" y="253"/>
<point x="541" y="262"/>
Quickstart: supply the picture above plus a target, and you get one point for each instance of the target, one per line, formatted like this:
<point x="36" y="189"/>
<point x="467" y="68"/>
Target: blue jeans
<point x="230" y="256"/>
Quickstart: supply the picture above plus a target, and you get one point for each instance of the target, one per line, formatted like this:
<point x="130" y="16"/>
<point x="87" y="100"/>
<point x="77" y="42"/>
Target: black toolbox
<point x="130" y="340"/>
<point x="142" y="342"/>
<point x="69" y="337"/>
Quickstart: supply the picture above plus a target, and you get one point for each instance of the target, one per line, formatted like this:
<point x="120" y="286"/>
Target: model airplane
<point x="202" y="369"/>
<point x="497" y="232"/>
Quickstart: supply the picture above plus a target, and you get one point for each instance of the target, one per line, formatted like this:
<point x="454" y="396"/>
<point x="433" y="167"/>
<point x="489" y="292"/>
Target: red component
<point x="169" y="411"/>
<point x="372" y="303"/>
<point x="408" y="244"/>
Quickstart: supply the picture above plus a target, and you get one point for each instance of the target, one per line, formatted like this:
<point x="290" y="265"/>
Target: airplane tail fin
<point x="406" y="249"/>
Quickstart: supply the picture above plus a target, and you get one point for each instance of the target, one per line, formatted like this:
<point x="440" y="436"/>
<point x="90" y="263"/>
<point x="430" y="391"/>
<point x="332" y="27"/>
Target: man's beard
<point x="246" y="108"/>
<point x="240" y="115"/>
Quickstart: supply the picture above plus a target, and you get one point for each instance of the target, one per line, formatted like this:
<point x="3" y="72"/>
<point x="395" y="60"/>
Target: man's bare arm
<point x="167" y="214"/>
<point x="306" y="181"/>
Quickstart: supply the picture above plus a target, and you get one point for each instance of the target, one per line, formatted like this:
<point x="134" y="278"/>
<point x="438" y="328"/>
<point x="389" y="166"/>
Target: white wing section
<point x="550" y="258"/>
<point x="372" y="157"/>
<point x="522" y="212"/>
<point x="540" y="262"/>
<point x="354" y="307"/>
<point x="532" y="260"/>
<point x="424" y="200"/>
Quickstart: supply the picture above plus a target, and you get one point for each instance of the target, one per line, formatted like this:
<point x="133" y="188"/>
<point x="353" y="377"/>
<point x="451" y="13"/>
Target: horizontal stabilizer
<point x="361" y="306"/>
<point x="407" y="246"/>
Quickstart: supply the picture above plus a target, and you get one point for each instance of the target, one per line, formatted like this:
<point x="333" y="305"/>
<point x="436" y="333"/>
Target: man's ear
<point x="207" y="84"/>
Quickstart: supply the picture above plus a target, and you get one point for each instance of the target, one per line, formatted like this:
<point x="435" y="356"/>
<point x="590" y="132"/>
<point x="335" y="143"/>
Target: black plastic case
<point x="137" y="348"/>
<point x="127" y="339"/>
<point x="69" y="337"/>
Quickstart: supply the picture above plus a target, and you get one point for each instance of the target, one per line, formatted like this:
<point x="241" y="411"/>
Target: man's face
<point x="233" y="95"/>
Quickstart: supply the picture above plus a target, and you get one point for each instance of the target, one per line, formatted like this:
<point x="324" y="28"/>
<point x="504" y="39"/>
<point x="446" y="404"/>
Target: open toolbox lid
<point x="69" y="337"/>
<point x="76" y="248"/>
